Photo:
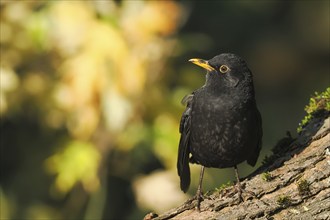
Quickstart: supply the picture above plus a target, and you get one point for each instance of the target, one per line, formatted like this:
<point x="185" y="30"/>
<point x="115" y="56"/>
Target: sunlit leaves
<point x="76" y="162"/>
<point x="85" y="70"/>
<point x="166" y="139"/>
<point x="114" y="61"/>
<point x="8" y="83"/>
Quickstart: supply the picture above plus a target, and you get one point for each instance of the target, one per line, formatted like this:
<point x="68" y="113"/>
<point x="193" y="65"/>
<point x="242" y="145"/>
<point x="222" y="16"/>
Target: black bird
<point x="221" y="125"/>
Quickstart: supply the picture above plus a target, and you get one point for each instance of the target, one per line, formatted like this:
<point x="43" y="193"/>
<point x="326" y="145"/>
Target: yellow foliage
<point x="77" y="162"/>
<point x="166" y="140"/>
<point x="8" y="83"/>
<point x="86" y="66"/>
<point x="114" y="61"/>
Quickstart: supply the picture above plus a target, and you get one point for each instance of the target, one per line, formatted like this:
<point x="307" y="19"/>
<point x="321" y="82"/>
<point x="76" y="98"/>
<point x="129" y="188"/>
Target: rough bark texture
<point x="294" y="184"/>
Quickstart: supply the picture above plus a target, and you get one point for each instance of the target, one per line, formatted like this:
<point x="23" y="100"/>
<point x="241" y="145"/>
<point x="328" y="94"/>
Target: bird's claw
<point x="239" y="190"/>
<point x="199" y="197"/>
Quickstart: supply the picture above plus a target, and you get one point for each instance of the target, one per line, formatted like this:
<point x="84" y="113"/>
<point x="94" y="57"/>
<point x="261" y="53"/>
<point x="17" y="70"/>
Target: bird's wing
<point x="184" y="151"/>
<point x="254" y="157"/>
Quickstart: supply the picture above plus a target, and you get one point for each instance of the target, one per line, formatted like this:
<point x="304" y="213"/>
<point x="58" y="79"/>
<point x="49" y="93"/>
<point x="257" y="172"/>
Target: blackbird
<point x="221" y="125"/>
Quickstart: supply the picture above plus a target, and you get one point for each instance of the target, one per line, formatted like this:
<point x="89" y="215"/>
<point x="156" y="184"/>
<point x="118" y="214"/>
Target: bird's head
<point x="227" y="69"/>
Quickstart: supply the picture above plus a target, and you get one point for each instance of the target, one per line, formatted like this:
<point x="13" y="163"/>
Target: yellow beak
<point x="202" y="63"/>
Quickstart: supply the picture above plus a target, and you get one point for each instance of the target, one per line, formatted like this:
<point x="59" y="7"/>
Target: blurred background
<point x="90" y="95"/>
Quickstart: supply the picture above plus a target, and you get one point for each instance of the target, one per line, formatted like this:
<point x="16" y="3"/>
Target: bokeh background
<point x="91" y="90"/>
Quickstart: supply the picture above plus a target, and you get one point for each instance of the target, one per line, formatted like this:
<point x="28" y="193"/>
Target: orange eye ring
<point x="224" y="68"/>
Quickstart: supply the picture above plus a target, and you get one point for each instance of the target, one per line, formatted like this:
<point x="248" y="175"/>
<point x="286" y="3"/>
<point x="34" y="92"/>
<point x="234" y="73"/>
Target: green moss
<point x="318" y="102"/>
<point x="267" y="176"/>
<point x="303" y="187"/>
<point x="284" y="201"/>
<point x="224" y="186"/>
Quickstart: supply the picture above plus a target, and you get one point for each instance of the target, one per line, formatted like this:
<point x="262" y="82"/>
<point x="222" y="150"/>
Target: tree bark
<point x="294" y="184"/>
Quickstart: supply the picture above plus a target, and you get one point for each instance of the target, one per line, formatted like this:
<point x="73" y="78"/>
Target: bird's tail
<point x="183" y="165"/>
<point x="185" y="177"/>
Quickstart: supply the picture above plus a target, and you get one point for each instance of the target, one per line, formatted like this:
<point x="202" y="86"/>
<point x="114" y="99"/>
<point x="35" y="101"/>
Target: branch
<point x="294" y="185"/>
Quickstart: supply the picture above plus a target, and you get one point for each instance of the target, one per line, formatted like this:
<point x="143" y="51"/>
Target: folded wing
<point x="184" y="150"/>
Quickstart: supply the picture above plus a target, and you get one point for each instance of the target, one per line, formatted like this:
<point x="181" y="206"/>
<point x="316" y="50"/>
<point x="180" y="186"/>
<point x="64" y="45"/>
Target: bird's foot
<point x="199" y="197"/>
<point x="239" y="190"/>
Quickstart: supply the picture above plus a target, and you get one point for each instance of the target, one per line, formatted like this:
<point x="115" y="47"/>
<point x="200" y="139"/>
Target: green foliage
<point x="303" y="187"/>
<point x="284" y="201"/>
<point x="318" y="102"/>
<point x="224" y="186"/>
<point x="267" y="176"/>
<point x="77" y="162"/>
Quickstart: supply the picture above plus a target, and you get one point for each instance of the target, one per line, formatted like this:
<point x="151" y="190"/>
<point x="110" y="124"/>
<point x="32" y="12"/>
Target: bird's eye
<point x="224" y="69"/>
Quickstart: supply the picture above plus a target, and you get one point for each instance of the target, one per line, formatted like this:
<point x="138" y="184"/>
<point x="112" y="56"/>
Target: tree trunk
<point x="293" y="184"/>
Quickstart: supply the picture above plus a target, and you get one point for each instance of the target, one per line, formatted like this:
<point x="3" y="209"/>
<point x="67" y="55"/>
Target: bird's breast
<point x="219" y="131"/>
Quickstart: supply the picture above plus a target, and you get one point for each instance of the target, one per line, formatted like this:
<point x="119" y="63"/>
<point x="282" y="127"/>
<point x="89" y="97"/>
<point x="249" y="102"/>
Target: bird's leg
<point x="188" y="205"/>
<point x="199" y="193"/>
<point x="238" y="185"/>
<point x="239" y="188"/>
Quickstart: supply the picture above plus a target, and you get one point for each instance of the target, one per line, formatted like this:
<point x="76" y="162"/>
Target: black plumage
<point x="221" y="125"/>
